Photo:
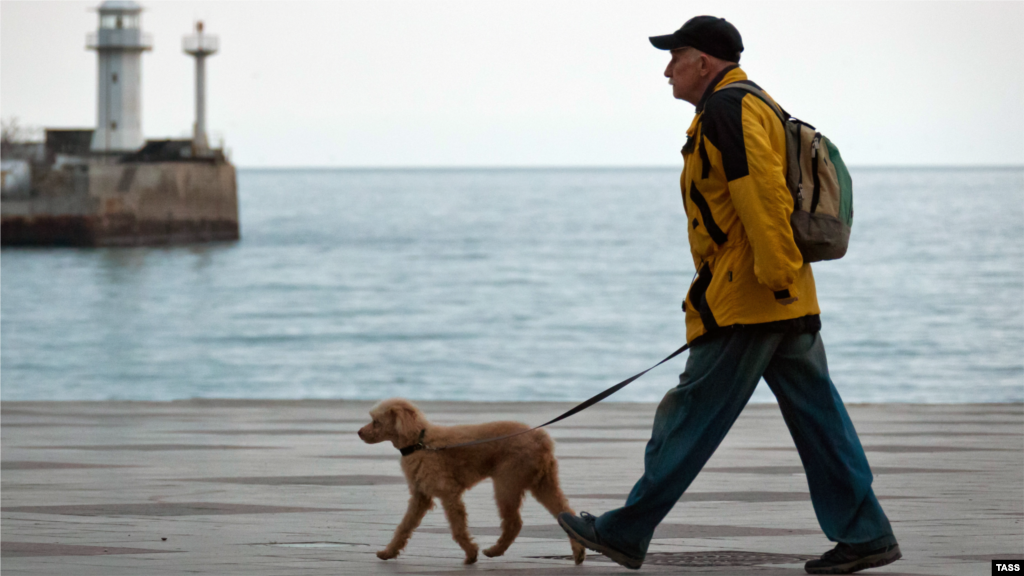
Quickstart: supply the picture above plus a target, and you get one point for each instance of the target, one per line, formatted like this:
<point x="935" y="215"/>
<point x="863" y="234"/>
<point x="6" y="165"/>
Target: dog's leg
<point x="418" y="505"/>
<point x="455" y="511"/>
<point x="509" y="496"/>
<point x="547" y="491"/>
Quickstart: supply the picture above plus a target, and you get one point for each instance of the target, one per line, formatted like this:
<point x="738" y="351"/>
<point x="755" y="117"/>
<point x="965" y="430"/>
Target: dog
<point x="524" y="462"/>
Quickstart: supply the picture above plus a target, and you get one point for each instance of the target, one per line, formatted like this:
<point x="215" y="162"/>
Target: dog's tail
<point x="548" y="492"/>
<point x="546" y="488"/>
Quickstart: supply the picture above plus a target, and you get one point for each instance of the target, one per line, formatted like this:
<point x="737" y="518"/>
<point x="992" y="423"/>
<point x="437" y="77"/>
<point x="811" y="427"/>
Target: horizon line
<point x="617" y="167"/>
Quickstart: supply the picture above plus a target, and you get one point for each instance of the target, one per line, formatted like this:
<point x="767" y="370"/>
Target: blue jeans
<point x="695" y="416"/>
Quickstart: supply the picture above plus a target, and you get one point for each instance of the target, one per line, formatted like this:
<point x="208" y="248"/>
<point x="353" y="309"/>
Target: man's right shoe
<point x="581" y="529"/>
<point x="843" y="559"/>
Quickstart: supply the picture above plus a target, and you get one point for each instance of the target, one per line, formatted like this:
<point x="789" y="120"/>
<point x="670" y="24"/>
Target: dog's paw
<point x="470" y="558"/>
<point x="493" y="551"/>
<point x="387" y="554"/>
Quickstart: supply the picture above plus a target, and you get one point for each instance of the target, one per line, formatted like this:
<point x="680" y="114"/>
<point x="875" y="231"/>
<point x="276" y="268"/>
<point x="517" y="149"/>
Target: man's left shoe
<point x="581" y="529"/>
<point x="843" y="559"/>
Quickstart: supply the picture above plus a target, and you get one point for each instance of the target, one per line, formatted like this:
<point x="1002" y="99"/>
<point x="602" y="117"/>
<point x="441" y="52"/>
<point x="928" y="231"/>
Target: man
<point x="751" y="312"/>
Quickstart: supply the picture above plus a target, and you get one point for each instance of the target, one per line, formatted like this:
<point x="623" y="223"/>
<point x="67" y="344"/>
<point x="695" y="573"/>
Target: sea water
<point x="506" y="284"/>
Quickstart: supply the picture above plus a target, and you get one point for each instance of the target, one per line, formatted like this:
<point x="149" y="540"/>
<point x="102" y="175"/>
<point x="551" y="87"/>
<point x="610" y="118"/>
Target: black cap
<point x="708" y="34"/>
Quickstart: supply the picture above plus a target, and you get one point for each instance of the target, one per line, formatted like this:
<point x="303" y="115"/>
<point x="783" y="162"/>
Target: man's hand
<point x="785" y="297"/>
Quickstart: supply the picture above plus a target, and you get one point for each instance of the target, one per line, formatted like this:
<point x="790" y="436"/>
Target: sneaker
<point x="581" y="529"/>
<point x="843" y="559"/>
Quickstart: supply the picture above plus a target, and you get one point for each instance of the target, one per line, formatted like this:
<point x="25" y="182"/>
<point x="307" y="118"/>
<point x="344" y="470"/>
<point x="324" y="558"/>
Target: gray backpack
<point x="820" y="183"/>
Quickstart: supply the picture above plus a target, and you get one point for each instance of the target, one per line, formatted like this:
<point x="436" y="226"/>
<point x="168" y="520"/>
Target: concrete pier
<point x="110" y="202"/>
<point x="286" y="487"/>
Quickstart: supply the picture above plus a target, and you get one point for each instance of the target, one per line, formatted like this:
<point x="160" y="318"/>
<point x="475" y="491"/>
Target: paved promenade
<point x="286" y="488"/>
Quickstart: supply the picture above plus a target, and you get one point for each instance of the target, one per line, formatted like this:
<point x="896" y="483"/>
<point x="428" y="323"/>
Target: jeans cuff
<point x="877" y="543"/>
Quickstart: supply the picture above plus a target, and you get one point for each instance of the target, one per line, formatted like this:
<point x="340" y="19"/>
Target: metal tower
<point x="119" y="43"/>
<point x="200" y="46"/>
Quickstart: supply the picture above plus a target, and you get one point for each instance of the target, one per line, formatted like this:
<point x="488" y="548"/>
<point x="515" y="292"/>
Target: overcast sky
<point x="552" y="83"/>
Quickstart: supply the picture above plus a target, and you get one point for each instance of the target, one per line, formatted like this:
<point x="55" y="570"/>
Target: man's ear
<point x="705" y="65"/>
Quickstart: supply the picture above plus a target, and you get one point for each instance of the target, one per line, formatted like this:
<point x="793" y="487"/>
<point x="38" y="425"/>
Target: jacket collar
<point x="726" y="76"/>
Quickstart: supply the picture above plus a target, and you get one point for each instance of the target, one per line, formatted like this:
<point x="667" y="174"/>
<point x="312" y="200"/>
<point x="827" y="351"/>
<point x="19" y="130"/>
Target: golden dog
<point x="525" y="462"/>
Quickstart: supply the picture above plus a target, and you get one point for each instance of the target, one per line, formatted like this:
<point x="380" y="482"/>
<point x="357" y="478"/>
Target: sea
<point x="506" y="285"/>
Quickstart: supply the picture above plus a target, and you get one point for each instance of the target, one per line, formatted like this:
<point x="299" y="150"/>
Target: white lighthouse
<point x="119" y="44"/>
<point x="200" y="45"/>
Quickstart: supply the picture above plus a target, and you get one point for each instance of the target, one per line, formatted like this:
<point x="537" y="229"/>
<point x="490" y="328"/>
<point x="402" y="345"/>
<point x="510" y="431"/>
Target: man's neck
<point x="709" y="88"/>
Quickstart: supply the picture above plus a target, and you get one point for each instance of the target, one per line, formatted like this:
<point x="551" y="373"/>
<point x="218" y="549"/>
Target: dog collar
<point x="415" y="447"/>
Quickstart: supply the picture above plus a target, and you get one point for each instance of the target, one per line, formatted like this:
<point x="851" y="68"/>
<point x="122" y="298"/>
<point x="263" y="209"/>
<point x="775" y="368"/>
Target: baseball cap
<point x="711" y="35"/>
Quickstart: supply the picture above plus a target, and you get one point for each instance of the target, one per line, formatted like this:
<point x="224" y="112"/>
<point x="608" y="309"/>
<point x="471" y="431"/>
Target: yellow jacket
<point x="738" y="207"/>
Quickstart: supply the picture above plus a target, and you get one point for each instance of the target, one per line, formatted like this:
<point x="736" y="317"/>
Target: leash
<point x="576" y="409"/>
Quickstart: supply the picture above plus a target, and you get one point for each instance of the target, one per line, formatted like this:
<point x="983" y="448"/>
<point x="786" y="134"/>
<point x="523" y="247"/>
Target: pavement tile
<point x="36" y="465"/>
<point x="789" y="470"/>
<point x="664" y="530"/>
<point x="337" y="480"/>
<point x="151" y="447"/>
<point x="161" y="509"/>
<point x="22" y="549"/>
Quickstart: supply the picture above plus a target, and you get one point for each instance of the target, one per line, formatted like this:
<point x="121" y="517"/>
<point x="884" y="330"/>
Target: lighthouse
<point x="119" y="43"/>
<point x="200" y="45"/>
<point x="108" y="186"/>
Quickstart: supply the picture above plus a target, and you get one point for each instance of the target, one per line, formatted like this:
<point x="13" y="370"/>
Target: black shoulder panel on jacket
<point x="722" y="123"/>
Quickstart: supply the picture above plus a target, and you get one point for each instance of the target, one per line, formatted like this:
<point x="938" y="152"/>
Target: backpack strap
<point x="751" y="88"/>
<point x="794" y="175"/>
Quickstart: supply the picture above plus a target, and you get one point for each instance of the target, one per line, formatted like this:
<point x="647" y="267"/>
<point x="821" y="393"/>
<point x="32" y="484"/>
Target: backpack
<point x="820" y="183"/>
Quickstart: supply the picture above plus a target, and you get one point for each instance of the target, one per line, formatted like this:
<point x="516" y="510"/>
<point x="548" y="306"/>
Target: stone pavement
<point x="286" y="487"/>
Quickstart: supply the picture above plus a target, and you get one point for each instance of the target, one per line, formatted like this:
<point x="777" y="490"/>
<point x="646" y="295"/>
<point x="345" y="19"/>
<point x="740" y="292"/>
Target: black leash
<point x="578" y="408"/>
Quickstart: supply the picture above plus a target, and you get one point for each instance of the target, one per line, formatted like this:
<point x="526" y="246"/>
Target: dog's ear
<point x="405" y="420"/>
<point x="395" y="413"/>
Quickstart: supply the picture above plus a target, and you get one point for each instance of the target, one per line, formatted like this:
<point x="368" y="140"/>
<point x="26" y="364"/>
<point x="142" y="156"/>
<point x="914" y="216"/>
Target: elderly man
<point x="751" y="312"/>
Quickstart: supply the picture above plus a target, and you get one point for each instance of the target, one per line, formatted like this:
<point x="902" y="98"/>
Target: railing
<point x="200" y="43"/>
<point x="123" y="38"/>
